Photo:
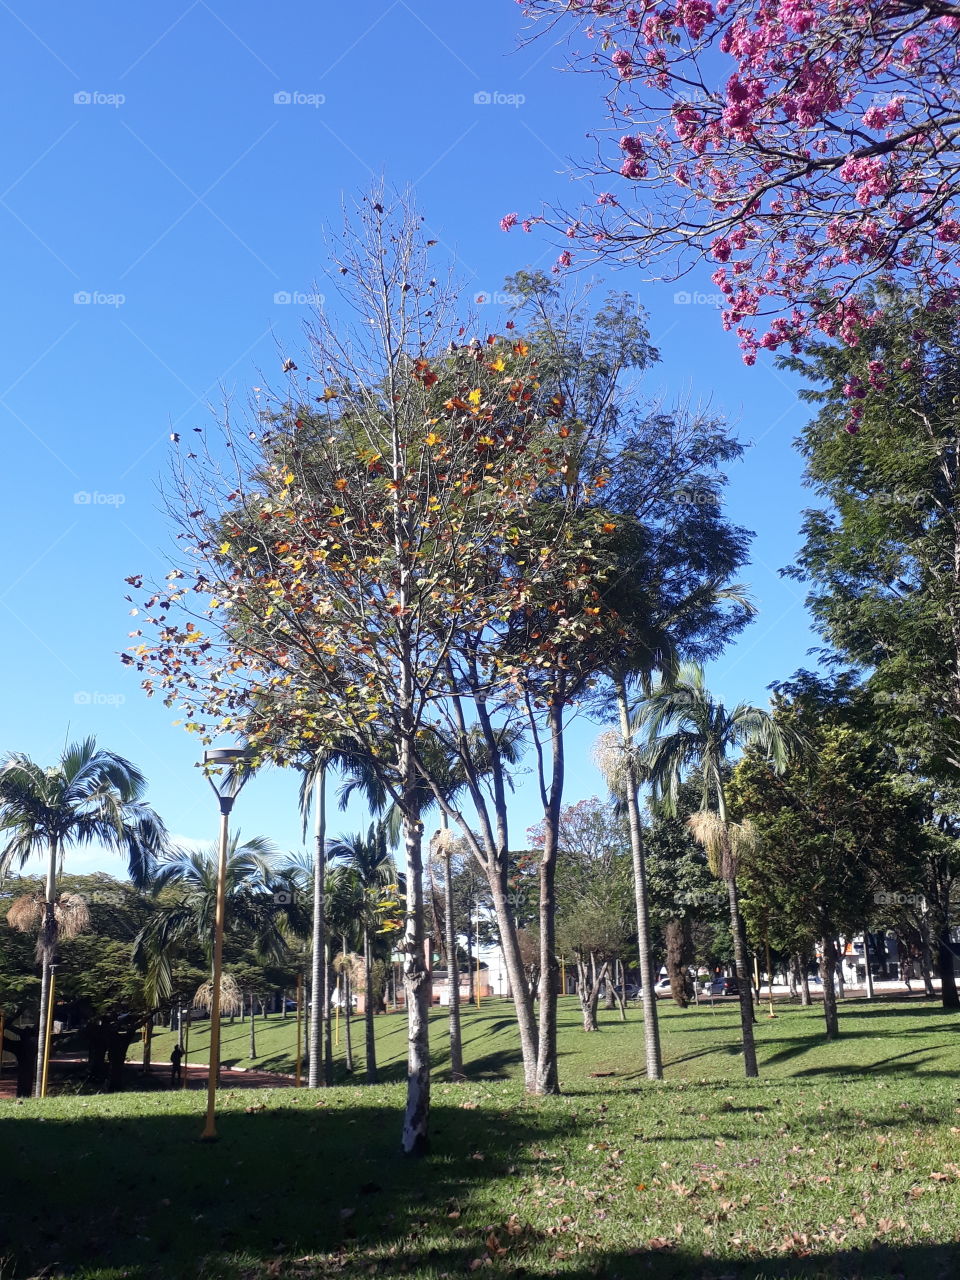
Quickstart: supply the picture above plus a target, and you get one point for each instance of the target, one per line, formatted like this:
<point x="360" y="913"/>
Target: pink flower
<point x="623" y="61"/>
<point x="720" y="249"/>
<point x="509" y="221"/>
<point x="606" y="197"/>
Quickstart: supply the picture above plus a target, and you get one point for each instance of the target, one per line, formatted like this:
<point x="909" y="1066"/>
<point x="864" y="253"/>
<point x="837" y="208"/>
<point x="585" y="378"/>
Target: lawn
<point x="840" y="1161"/>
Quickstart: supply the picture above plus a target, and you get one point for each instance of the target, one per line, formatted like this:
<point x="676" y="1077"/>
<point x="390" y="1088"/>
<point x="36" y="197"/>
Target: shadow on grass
<point x="296" y="1189"/>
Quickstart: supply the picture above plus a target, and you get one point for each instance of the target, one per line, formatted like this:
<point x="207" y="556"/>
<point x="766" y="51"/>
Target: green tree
<point x="91" y="796"/>
<point x="832" y="831"/>
<point x="881" y="553"/>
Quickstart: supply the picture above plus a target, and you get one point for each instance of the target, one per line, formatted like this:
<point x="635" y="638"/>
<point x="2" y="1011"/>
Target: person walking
<point x="175" y="1059"/>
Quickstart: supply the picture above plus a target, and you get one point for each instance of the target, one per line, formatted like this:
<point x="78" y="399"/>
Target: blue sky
<point x="167" y="174"/>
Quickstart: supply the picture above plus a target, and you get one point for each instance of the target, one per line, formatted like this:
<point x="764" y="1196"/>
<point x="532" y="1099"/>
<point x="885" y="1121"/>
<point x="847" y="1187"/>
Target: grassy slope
<point x="698" y="1043"/>
<point x="839" y="1162"/>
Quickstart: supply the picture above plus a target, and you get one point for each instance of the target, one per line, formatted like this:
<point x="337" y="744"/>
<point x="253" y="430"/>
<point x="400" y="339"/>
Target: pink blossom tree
<point x="802" y="147"/>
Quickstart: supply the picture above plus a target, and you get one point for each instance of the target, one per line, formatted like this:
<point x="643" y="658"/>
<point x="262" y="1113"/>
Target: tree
<point x="91" y="796"/>
<point x="687" y="729"/>
<point x="880" y="554"/>
<point x="831" y="832"/>
<point x="802" y="147"/>
<point x="366" y="528"/>
<point x="370" y="864"/>
<point x="594" y="898"/>
<point x="185" y="889"/>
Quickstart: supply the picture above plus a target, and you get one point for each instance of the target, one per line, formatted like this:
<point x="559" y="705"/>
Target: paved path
<point x="196" y="1076"/>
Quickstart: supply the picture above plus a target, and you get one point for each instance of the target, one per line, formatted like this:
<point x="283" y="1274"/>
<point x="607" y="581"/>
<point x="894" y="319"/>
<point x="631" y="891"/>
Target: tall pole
<point x="48" y="935"/>
<point x="299" y="1032"/>
<point x="866" y="961"/>
<point x="186" y="1055"/>
<point x="48" y="1030"/>
<point x="210" y="1127"/>
<point x="476" y="985"/>
<point x="769" y="978"/>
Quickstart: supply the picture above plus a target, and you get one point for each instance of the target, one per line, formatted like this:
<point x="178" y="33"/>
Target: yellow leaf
<point x="433" y="438"/>
<point x="474" y="396"/>
<point x="224" y="548"/>
<point x="288" y="478"/>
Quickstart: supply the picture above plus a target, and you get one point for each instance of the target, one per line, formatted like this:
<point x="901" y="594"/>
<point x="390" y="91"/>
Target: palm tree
<point x="367" y="860"/>
<point x="251" y="881"/>
<point x="90" y="796"/>
<point x="688" y="731"/>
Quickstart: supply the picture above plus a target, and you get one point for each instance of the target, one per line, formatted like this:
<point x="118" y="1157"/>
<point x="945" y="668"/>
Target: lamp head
<point x="232" y="770"/>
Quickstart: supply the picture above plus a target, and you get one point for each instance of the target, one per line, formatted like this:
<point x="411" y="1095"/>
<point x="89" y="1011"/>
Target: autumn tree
<point x="382" y="509"/>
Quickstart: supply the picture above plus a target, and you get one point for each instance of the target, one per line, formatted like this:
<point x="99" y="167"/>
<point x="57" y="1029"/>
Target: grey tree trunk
<point x="588" y="989"/>
<point x="648" y="995"/>
<point x="415" y="1138"/>
<point x="348" y="1014"/>
<point x="253" y="1027"/>
<point x="950" y="999"/>
<point x="548" y="1080"/>
<point x="804" y="981"/>
<point x="453" y="970"/>
<point x="49" y="930"/>
<point x="743" y="982"/>
<point x="319" y="986"/>
<point x="519" y="987"/>
<point x="828" y="967"/>
<point x="371" y="1039"/>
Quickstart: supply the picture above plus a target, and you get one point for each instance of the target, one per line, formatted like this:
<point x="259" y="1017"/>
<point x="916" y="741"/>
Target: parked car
<point x="724" y="987"/>
<point x="633" y="991"/>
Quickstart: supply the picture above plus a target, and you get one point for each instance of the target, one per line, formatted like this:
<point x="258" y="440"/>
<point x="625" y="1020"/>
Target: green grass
<point x="896" y="1036"/>
<point x="840" y="1162"/>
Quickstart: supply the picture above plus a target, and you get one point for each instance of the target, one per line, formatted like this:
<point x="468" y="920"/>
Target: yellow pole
<point x="299" y="1037"/>
<point x="48" y="1034"/>
<point x="210" y="1126"/>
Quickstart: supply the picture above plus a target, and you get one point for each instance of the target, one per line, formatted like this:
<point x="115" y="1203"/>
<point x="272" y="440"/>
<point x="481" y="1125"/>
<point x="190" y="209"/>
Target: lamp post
<point x="227" y="788"/>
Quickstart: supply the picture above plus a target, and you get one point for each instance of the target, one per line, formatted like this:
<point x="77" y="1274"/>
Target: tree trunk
<point x="520" y="989"/>
<point x="453" y="968"/>
<point x="743" y="981"/>
<point x="949" y="996"/>
<point x="253" y="1027"/>
<point x="547" y="1075"/>
<point x="371" y="1039"/>
<point x="804" y="981"/>
<point x="327" y="1021"/>
<point x="926" y="959"/>
<point x="648" y="994"/>
<point x="348" y="1015"/>
<point x="588" y="989"/>
<point x="471" y="976"/>
<point x="828" y="966"/>
<point x="48" y="937"/>
<point x="415" y="1139"/>
<point x="319" y="989"/>
<point x="147" y="1044"/>
<point x="674" y="962"/>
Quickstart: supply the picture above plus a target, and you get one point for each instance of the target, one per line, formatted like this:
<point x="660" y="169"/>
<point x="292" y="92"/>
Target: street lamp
<point x="226" y="787"/>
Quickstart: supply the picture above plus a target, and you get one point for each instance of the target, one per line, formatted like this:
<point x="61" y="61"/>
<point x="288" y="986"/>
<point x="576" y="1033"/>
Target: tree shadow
<point x="310" y="1191"/>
